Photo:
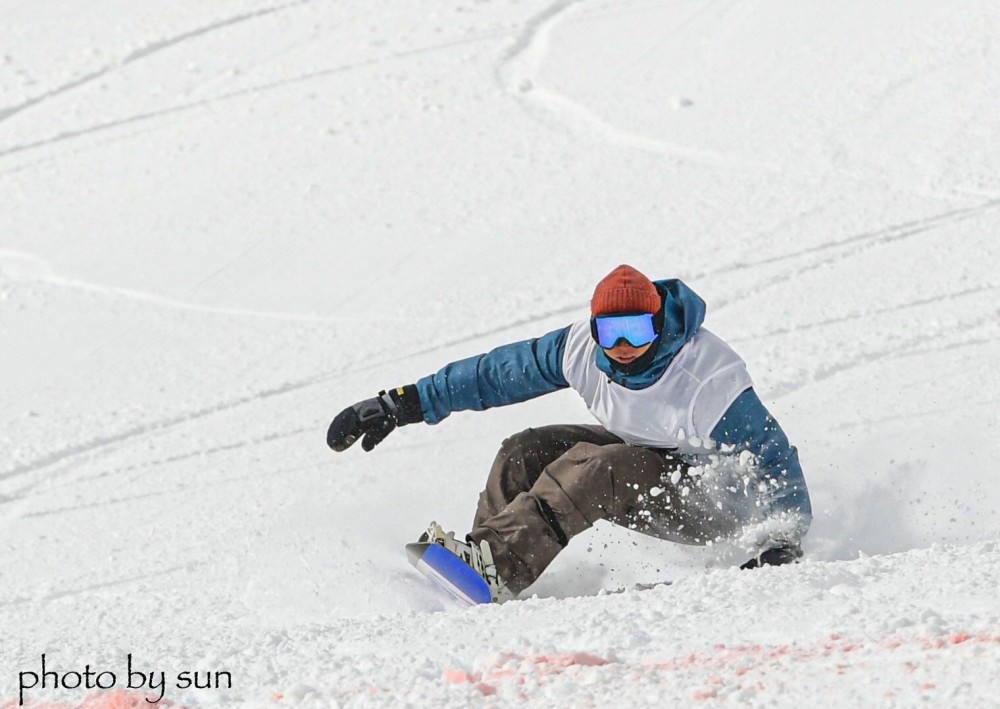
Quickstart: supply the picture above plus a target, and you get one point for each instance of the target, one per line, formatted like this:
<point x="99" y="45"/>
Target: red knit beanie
<point x="625" y="290"/>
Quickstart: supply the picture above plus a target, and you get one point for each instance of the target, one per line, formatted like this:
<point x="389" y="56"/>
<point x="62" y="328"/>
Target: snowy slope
<point x="220" y="223"/>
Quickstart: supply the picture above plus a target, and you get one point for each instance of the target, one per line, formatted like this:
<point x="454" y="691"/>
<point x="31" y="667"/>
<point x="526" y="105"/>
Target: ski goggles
<point x="637" y="330"/>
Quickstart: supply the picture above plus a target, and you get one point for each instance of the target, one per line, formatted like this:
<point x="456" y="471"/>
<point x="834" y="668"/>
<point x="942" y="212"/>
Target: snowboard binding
<point x="463" y="568"/>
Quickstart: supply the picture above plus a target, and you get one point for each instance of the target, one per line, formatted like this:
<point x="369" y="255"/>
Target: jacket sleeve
<point x="507" y="375"/>
<point x="747" y="425"/>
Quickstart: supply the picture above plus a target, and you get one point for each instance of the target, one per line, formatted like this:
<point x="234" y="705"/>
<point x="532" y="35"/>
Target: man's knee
<point x="607" y="461"/>
<point x="514" y="448"/>
<point x="606" y="481"/>
<point x="518" y="452"/>
<point x="541" y="445"/>
<point x="583" y="477"/>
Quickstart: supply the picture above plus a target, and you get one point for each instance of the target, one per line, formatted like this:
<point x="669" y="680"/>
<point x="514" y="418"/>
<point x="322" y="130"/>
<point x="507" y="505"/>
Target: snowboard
<point x="449" y="573"/>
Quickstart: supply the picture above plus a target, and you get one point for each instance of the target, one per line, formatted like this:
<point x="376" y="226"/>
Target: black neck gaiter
<point x="637" y="365"/>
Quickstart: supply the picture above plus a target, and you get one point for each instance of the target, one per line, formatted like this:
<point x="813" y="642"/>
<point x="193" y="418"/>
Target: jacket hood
<point x="683" y="314"/>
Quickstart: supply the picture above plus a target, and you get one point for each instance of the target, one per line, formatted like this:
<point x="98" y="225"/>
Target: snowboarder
<point x="685" y="449"/>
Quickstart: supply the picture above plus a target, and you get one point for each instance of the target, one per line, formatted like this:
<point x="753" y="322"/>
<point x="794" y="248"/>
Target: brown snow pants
<point x="549" y="484"/>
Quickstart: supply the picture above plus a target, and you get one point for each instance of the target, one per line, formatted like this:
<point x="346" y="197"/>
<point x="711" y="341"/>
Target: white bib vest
<point x="686" y="402"/>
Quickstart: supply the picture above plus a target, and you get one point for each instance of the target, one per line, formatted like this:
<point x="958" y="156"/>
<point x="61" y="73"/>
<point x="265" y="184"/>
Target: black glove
<point x="375" y="418"/>
<point x="784" y="553"/>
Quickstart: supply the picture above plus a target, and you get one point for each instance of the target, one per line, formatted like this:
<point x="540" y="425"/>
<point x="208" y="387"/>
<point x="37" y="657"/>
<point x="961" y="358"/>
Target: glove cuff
<point x="407" y="404"/>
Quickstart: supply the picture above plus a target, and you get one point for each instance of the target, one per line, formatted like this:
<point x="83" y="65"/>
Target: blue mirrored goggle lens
<point x="637" y="330"/>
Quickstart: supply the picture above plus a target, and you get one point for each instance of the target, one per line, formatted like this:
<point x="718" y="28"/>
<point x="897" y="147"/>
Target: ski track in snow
<point x="966" y="407"/>
<point x="848" y="248"/>
<point x="533" y="33"/>
<point x="861" y="241"/>
<point x="856" y="244"/>
<point x="867" y="313"/>
<point x="97" y="446"/>
<point x="145" y="496"/>
<point x="89" y="589"/>
<point x="517" y="74"/>
<point x="844" y="249"/>
<point x="41" y="272"/>
<point x="874" y="356"/>
<point x="146" y="465"/>
<point x="70" y="456"/>
<point x="139" y="54"/>
<point x="106" y="444"/>
<point x="250" y="92"/>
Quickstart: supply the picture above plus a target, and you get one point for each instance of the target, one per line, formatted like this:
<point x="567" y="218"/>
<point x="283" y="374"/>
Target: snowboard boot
<point x="777" y="555"/>
<point x="478" y="556"/>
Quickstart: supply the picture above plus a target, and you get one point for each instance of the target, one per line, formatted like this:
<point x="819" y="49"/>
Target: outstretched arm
<point x="507" y="375"/>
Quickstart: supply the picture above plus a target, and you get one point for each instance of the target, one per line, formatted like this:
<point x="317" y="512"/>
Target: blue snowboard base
<point x="449" y="573"/>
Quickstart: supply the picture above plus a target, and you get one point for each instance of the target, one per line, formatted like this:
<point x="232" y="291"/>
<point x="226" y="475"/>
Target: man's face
<point x="624" y="353"/>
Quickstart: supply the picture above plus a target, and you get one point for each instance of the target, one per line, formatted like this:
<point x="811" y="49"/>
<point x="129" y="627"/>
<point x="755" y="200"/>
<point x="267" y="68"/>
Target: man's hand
<point x="374" y="419"/>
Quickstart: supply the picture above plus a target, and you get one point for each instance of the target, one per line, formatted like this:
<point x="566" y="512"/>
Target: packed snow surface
<point x="223" y="222"/>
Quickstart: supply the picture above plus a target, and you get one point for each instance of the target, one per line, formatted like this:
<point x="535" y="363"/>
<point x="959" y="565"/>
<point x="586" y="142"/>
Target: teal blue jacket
<point x="524" y="370"/>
